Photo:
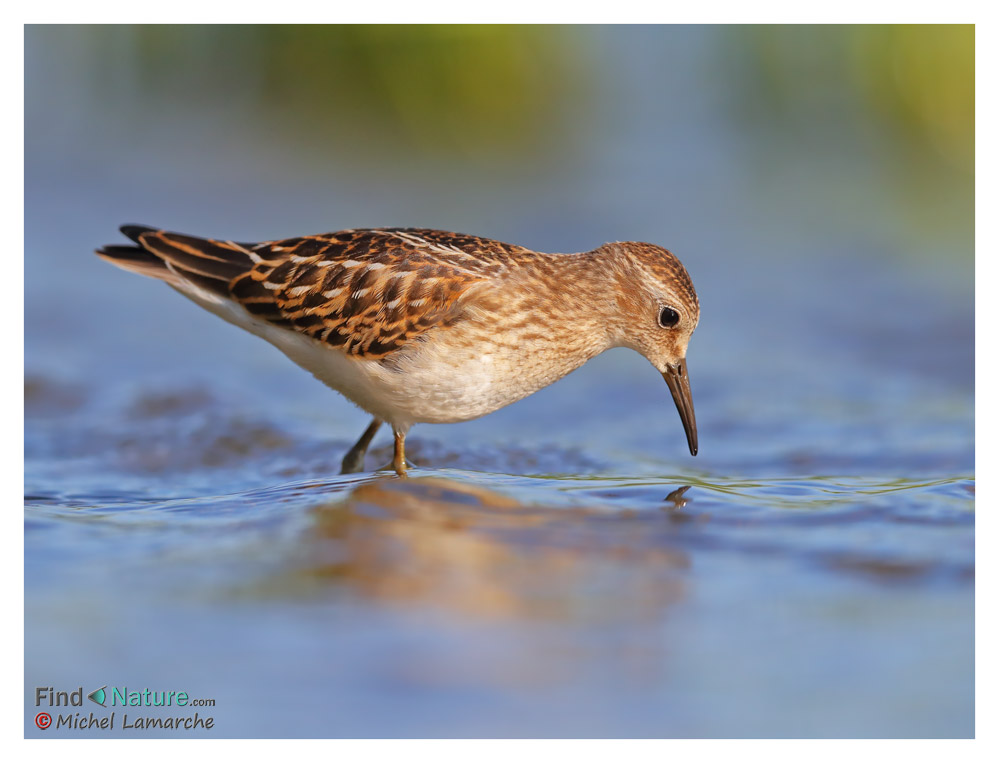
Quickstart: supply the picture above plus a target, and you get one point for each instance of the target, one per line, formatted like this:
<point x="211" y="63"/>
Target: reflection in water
<point x="603" y="597"/>
<point x="470" y="550"/>
<point x="676" y="497"/>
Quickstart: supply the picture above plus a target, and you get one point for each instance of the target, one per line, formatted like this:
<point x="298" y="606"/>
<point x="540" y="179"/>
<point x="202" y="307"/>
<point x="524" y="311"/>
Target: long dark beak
<point x="679" y="385"/>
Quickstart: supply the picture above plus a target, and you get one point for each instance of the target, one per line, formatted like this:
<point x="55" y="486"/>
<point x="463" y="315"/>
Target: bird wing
<point x="367" y="292"/>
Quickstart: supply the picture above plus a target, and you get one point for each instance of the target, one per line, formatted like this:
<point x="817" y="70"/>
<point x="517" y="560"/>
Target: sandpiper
<point x="416" y="325"/>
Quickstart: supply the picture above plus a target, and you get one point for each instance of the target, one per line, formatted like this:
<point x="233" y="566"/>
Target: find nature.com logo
<point x="119" y="697"/>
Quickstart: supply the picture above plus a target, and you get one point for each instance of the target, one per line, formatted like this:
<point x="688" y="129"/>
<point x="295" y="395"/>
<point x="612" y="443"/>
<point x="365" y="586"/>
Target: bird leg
<point x="353" y="462"/>
<point x="399" y="457"/>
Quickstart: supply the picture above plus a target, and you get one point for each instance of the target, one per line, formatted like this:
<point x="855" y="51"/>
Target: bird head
<point x="657" y="311"/>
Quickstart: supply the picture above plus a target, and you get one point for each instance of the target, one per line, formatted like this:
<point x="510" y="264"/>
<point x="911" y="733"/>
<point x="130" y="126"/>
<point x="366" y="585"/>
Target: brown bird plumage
<point x="387" y="315"/>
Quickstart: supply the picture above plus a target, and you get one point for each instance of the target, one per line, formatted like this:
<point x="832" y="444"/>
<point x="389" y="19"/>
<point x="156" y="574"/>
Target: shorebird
<point x="423" y="326"/>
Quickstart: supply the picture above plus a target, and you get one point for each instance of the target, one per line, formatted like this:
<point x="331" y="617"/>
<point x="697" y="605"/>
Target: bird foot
<point x="390" y="467"/>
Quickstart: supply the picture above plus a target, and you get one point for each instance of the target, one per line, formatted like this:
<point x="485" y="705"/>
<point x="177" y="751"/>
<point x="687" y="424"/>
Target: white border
<point x="621" y="11"/>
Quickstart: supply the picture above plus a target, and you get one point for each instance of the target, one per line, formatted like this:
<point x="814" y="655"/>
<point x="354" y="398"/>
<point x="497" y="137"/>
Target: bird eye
<point x="668" y="317"/>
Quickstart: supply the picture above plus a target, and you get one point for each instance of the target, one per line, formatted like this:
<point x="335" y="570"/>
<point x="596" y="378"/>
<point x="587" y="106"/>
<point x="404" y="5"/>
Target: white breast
<point x="450" y="377"/>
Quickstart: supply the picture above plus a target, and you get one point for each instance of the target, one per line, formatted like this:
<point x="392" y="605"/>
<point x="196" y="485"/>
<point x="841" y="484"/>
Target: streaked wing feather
<point x="369" y="292"/>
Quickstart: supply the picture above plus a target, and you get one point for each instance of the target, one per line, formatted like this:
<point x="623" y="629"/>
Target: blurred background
<point x="185" y="523"/>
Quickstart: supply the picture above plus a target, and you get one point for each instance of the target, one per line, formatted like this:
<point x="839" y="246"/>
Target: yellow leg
<point x="399" y="458"/>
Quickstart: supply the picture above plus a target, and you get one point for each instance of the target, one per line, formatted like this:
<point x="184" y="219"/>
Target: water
<point x="561" y="567"/>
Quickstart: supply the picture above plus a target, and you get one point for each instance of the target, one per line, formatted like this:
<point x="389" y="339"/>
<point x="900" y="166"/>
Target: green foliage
<point x="451" y="89"/>
<point x="916" y="82"/>
<point x="921" y="79"/>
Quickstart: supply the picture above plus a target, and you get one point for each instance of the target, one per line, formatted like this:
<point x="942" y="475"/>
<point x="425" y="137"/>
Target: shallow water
<point x="546" y="588"/>
<point x="559" y="568"/>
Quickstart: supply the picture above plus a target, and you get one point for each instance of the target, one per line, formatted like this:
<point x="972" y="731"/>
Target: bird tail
<point x="179" y="259"/>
